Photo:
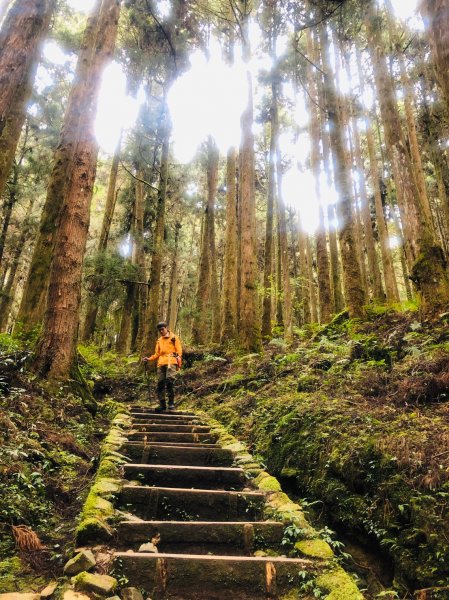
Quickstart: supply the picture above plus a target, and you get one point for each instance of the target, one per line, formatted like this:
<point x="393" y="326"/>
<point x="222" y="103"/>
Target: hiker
<point x="168" y="354"/>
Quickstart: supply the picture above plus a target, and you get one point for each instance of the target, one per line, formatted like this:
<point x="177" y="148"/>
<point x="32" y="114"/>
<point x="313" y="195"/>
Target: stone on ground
<point x="131" y="593"/>
<point x="48" y="591"/>
<point x="20" y="596"/>
<point x="92" y="582"/>
<point x="83" y="561"/>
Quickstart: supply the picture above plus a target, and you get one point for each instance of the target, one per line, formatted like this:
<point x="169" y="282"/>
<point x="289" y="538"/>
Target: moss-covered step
<point x="156" y="420"/>
<point x="184" y="476"/>
<point x="176" y="455"/>
<point x="215" y="537"/>
<point x="172" y="444"/>
<point x="173" y="437"/>
<point x="168" y="504"/>
<point x="164" y="428"/>
<point x="168" y="413"/>
<point x="162" y="574"/>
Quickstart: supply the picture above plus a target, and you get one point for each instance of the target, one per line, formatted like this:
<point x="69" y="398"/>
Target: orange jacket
<point x="165" y="347"/>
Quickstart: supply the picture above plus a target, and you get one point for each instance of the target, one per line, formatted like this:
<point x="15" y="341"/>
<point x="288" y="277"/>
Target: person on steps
<point x="168" y="354"/>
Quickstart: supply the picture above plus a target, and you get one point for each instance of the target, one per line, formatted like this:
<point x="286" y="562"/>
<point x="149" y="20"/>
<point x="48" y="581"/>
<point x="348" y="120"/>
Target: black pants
<point x="166" y="376"/>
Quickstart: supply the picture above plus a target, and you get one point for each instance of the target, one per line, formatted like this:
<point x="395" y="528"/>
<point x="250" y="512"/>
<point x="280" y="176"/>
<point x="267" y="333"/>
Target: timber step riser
<point x="163" y="428"/>
<point x="190" y="438"/>
<point x="168" y="504"/>
<point x="239" y="535"/>
<point x="163" y="574"/>
<point x="175" y="455"/>
<point x="186" y="477"/>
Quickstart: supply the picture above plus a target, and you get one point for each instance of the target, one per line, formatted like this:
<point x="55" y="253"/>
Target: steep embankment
<point x="49" y="443"/>
<point x="356" y="417"/>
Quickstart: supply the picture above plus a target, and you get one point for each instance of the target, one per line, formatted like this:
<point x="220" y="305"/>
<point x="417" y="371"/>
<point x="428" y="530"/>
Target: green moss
<point x="339" y="585"/>
<point x="92" y="530"/>
<point x="314" y="548"/>
<point x="267" y="483"/>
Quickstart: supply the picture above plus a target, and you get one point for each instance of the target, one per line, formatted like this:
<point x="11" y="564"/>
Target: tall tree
<point x="21" y="36"/>
<point x="249" y="325"/>
<point x="353" y="284"/>
<point x="229" y="309"/>
<point x="32" y="306"/>
<point x="56" y="348"/>
<point x="428" y="269"/>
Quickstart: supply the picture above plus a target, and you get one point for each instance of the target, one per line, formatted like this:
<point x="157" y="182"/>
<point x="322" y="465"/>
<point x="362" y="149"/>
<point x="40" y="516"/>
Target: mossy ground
<point x="48" y="458"/>
<point x="356" y="417"/>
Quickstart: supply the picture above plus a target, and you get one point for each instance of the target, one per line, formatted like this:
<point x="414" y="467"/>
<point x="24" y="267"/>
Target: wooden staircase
<point x="184" y="488"/>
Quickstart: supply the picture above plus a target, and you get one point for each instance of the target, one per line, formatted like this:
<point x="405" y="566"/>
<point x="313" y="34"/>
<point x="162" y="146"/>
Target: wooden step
<point x="168" y="504"/>
<point x="197" y="454"/>
<point x="164" y="574"/>
<point x="152" y="411"/>
<point x="230" y="537"/>
<point x="169" y="428"/>
<point x="157" y="421"/>
<point x="190" y="438"/>
<point x="183" y="476"/>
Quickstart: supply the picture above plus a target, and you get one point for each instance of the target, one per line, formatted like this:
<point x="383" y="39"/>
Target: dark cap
<point x="161" y="325"/>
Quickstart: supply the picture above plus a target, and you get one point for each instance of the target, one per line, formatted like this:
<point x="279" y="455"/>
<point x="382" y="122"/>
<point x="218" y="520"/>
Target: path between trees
<point x="193" y="522"/>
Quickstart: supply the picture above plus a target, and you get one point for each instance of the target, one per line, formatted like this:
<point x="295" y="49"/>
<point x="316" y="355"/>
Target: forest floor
<point x="353" y="418"/>
<point x="49" y="447"/>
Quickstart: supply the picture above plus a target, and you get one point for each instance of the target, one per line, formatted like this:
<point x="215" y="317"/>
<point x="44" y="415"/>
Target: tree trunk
<point x="149" y="336"/>
<point x="173" y="292"/>
<point x="323" y="267"/>
<point x="229" y="310"/>
<point x="429" y="269"/>
<point x="7" y="295"/>
<point x="250" y="337"/>
<point x="32" y="306"/>
<point x="111" y="197"/>
<point x="353" y="285"/>
<point x="21" y="35"/>
<point x="436" y="16"/>
<point x="268" y="282"/>
<point x="207" y="293"/>
<point x="123" y="343"/>
<point x="391" y="286"/>
<point x="57" y="345"/>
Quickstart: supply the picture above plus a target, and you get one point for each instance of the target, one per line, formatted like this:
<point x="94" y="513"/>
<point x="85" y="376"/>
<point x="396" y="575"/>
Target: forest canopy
<point x="240" y="169"/>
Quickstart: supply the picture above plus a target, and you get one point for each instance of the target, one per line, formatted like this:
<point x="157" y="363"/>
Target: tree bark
<point x="353" y="285"/>
<point x="436" y="16"/>
<point x="173" y="291"/>
<point x="56" y="348"/>
<point x="111" y="197"/>
<point x="229" y="310"/>
<point x="149" y="336"/>
<point x="323" y="267"/>
<point x="21" y="34"/>
<point x="250" y="337"/>
<point x="429" y="269"/>
<point x="35" y="291"/>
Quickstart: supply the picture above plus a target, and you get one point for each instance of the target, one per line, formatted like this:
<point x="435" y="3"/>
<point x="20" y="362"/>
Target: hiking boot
<point x="160" y="409"/>
<point x="171" y="406"/>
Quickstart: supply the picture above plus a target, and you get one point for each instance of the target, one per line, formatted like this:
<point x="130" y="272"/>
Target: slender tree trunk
<point x="173" y="292"/>
<point x="323" y="267"/>
<point x="35" y="291"/>
<point x="313" y="301"/>
<point x="353" y="284"/>
<point x="229" y="314"/>
<point x="57" y="345"/>
<point x="21" y="35"/>
<point x="429" y="272"/>
<point x="269" y="241"/>
<point x="149" y="332"/>
<point x="111" y="197"/>
<point x="250" y="337"/>
<point x="207" y="296"/>
<point x="6" y="295"/>
<point x="139" y="261"/>
<point x="336" y="278"/>
<point x="436" y="16"/>
<point x="391" y="286"/>
<point x="123" y="343"/>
